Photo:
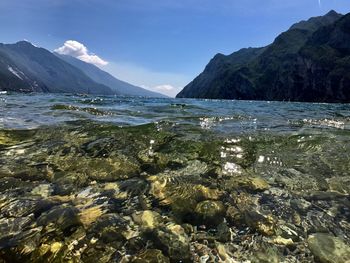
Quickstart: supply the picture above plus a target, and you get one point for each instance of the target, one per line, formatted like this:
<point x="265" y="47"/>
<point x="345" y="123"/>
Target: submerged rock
<point x="249" y="183"/>
<point x="61" y="217"/>
<point x="210" y="212"/>
<point x="147" y="219"/>
<point x="173" y="240"/>
<point x="44" y="190"/>
<point x="150" y="256"/>
<point x="263" y="224"/>
<point x="329" y="249"/>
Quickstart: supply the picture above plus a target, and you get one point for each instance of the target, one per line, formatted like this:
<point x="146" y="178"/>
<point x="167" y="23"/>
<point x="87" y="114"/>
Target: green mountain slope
<point x="309" y="62"/>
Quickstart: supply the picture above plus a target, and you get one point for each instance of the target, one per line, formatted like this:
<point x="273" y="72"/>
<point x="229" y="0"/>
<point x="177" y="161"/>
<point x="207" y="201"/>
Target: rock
<point x="110" y="228"/>
<point x="340" y="184"/>
<point x="44" y="190"/>
<point x="289" y="231"/>
<point x="224" y="233"/>
<point x="324" y="196"/>
<point x="63" y="217"/>
<point x="89" y="215"/>
<point x="283" y="241"/>
<point x="147" y="219"/>
<point x="223" y="253"/>
<point x="233" y="215"/>
<point x="210" y="212"/>
<point x="300" y="205"/>
<point x="249" y="183"/>
<point x="329" y="249"/>
<point x="8" y="183"/>
<point x="25" y="206"/>
<point x="150" y="256"/>
<point x="266" y="254"/>
<point x="263" y="224"/>
<point x="173" y="240"/>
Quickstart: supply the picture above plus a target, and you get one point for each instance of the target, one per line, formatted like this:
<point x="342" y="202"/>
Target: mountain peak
<point x="315" y="23"/>
<point x="332" y="13"/>
<point x="24" y="42"/>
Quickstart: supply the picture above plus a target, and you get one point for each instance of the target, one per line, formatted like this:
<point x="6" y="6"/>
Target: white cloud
<point x="78" y="50"/>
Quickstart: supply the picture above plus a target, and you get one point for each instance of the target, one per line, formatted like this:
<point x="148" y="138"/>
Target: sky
<point x="160" y="45"/>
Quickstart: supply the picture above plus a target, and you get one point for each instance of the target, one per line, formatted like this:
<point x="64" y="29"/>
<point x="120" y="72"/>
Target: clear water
<point x="127" y="179"/>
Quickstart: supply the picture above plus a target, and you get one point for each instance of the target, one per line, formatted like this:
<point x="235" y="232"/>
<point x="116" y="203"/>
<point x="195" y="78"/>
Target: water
<point x="135" y="179"/>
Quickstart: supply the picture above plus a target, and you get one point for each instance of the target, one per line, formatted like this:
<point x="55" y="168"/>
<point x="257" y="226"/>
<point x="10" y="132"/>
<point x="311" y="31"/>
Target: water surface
<point x="137" y="179"/>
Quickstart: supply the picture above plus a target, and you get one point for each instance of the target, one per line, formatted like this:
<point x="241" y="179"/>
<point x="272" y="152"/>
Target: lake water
<point x="116" y="179"/>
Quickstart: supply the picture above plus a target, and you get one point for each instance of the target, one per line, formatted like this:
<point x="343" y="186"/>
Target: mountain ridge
<point x="28" y="68"/>
<point x="105" y="78"/>
<point x="283" y="70"/>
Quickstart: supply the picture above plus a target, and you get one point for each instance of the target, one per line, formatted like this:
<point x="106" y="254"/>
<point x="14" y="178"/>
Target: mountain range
<point x="27" y="68"/>
<point x="310" y="62"/>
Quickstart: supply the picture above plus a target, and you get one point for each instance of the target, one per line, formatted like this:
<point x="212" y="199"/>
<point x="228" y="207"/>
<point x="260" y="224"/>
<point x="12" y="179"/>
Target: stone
<point x="173" y="240"/>
<point x="328" y="249"/>
<point x="89" y="215"/>
<point x="63" y="217"/>
<point x="147" y="219"/>
<point x="324" y="196"/>
<point x="44" y="190"/>
<point x="263" y="224"/>
<point x="266" y="254"/>
<point x="283" y="241"/>
<point x="300" y="205"/>
<point x="210" y="212"/>
<point x="150" y="256"/>
<point x="223" y="253"/>
<point x="252" y="184"/>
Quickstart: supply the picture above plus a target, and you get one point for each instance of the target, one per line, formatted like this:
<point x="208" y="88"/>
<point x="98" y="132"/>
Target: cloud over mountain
<point x="78" y="50"/>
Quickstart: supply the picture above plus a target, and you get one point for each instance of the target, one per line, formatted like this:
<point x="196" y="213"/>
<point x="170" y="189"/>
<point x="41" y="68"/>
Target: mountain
<point x="107" y="79"/>
<point x="26" y="68"/>
<point x="309" y="62"/>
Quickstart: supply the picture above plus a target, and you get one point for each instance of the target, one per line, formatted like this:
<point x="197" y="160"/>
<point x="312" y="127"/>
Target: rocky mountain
<point x="26" y="68"/>
<point x="107" y="79"/>
<point x="308" y="62"/>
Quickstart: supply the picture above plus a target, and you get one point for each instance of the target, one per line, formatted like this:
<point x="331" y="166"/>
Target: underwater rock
<point x="300" y="205"/>
<point x="9" y="183"/>
<point x="100" y="169"/>
<point x="210" y="212"/>
<point x="249" y="183"/>
<point x="109" y="228"/>
<point x="62" y="217"/>
<point x="44" y="190"/>
<point x="150" y="256"/>
<point x="266" y="254"/>
<point x="340" y="184"/>
<point x="223" y="253"/>
<point x="89" y="215"/>
<point x="329" y="249"/>
<point x="24" y="206"/>
<point x="283" y="241"/>
<point x="224" y="233"/>
<point x="147" y="219"/>
<point x="265" y="225"/>
<point x="325" y="196"/>
<point x="173" y="240"/>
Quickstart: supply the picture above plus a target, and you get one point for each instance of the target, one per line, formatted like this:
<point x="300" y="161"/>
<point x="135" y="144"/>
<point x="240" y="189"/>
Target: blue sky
<point x="158" y="44"/>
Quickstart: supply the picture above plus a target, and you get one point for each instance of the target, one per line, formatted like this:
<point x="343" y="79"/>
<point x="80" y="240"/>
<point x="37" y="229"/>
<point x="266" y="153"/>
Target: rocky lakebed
<point x="184" y="185"/>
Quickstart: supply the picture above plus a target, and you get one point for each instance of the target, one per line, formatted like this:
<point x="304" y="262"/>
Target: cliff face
<point x="309" y="62"/>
